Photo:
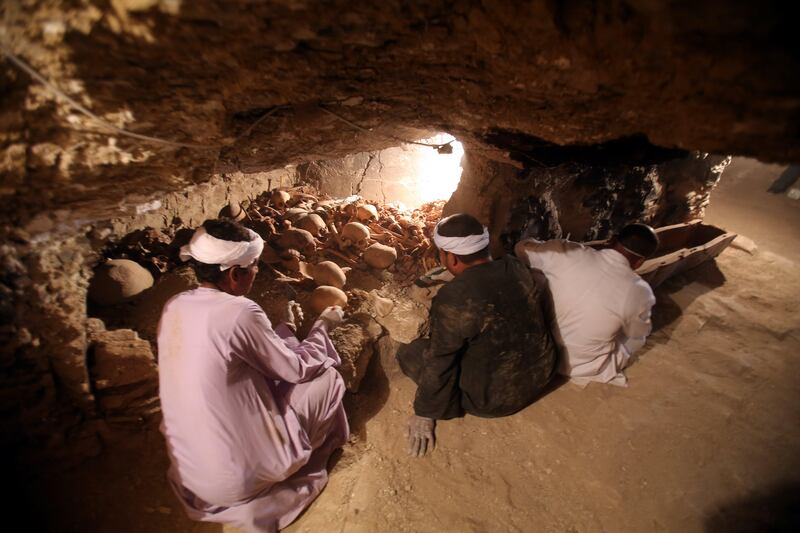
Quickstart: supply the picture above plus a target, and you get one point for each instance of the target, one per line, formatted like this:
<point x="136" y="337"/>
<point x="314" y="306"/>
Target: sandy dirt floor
<point x="705" y="438"/>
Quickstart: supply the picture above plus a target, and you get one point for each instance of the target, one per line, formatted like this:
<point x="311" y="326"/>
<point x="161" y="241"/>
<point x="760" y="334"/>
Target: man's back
<point x="221" y="419"/>
<point x="491" y="321"/>
<point x="601" y="307"/>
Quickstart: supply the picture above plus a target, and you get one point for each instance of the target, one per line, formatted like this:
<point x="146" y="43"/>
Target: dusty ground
<point x="705" y="438"/>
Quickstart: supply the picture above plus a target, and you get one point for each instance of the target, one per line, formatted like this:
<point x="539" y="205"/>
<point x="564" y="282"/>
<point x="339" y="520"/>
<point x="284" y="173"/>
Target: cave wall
<point x="253" y="86"/>
<point x="583" y="193"/>
<point x="377" y="176"/>
<point x="46" y="331"/>
<point x="399" y="174"/>
<point x="534" y="89"/>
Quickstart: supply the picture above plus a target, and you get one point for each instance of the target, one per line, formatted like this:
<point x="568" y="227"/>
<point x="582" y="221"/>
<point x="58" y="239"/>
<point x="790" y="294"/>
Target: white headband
<point x="460" y="245"/>
<point x="212" y="251"/>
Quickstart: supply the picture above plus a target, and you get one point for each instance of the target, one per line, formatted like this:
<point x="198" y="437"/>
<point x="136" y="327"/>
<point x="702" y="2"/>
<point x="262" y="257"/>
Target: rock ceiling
<point x="271" y="83"/>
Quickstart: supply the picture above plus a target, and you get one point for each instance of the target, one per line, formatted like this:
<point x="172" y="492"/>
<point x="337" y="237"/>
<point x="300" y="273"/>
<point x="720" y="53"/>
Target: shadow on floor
<point x="691" y="284"/>
<point x="776" y="510"/>
<point x="124" y="488"/>
<point x="373" y="393"/>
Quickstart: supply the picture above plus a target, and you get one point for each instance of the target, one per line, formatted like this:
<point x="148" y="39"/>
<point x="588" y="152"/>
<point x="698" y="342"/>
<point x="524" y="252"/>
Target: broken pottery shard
<point x="117" y="281"/>
<point x="406" y="321"/>
<point x="355" y="342"/>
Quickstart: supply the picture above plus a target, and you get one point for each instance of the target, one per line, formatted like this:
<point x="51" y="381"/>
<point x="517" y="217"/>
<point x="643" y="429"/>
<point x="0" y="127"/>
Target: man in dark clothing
<point x="491" y="351"/>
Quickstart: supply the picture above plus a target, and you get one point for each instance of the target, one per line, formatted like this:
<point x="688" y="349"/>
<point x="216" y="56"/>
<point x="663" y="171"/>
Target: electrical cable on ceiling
<point x="444" y="148"/>
<point x="83" y="110"/>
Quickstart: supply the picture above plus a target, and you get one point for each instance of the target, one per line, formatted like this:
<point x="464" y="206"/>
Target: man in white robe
<point x="602" y="306"/>
<point x="251" y="414"/>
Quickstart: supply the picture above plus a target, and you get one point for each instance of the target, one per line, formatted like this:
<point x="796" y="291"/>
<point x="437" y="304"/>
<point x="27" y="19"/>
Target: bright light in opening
<point x="436" y="175"/>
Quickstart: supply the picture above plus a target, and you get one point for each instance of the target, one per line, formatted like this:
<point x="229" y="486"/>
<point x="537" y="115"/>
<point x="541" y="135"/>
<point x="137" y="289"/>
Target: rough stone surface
<point x="121" y="358"/>
<point x="532" y="89"/>
<point x="124" y="372"/>
<point x="46" y="385"/>
<point x="399" y="174"/>
<point x="584" y="193"/>
<point x="406" y="321"/>
<point x="355" y="342"/>
<point x="720" y="77"/>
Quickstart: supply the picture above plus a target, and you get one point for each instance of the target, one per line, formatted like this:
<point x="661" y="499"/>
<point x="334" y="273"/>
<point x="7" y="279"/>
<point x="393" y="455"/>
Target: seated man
<point x="490" y="351"/>
<point x="602" y="306"/>
<point x="251" y="414"/>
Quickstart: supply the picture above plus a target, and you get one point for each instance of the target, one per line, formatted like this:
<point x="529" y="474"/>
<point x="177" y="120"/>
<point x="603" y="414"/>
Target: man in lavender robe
<point x="251" y="414"/>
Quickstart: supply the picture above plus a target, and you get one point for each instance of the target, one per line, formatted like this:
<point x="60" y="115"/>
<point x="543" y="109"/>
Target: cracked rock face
<point x="575" y="118"/>
<point x="259" y="85"/>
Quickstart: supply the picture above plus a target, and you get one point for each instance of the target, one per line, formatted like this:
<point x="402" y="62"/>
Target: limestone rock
<point x="122" y="358"/>
<point x="119" y="280"/>
<point x="124" y="372"/>
<point x="383" y="306"/>
<point x="424" y="295"/>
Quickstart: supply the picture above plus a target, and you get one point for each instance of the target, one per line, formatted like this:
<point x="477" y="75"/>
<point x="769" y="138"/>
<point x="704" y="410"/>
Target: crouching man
<point x="602" y="306"/>
<point x="251" y="415"/>
<point x="490" y="351"/>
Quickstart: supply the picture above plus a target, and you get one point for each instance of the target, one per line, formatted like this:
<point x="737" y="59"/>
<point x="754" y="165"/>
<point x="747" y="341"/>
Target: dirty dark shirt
<point x="491" y="350"/>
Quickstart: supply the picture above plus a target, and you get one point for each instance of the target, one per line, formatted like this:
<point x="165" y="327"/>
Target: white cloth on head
<point x="602" y="307"/>
<point x="213" y="251"/>
<point x="460" y="245"/>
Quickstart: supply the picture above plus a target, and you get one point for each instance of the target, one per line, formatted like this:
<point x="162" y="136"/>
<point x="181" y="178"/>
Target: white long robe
<point x="251" y="415"/>
<point x="602" y="307"/>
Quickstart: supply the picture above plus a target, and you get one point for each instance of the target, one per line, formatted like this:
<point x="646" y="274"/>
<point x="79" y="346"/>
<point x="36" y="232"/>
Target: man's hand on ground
<point x="332" y="316"/>
<point x="421" y="435"/>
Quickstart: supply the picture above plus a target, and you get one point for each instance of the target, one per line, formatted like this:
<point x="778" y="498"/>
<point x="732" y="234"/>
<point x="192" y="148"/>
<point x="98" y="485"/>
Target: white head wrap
<point x="211" y="251"/>
<point x="460" y="245"/>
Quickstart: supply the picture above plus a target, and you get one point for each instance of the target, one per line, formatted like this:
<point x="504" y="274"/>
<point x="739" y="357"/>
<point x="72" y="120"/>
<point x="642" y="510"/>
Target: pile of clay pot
<point x="308" y="237"/>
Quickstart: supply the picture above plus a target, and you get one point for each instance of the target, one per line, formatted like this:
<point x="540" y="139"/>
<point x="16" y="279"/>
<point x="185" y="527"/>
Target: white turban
<point x="212" y="251"/>
<point x="460" y="245"/>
